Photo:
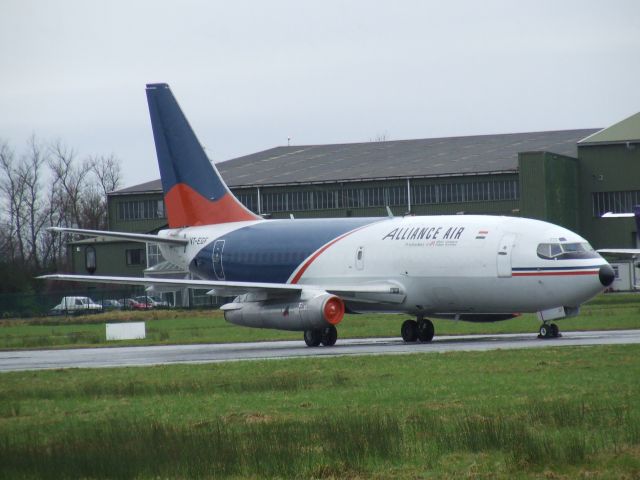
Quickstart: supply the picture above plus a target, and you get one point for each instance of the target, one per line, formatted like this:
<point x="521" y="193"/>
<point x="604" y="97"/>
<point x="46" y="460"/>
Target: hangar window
<point x="615" y="202"/>
<point x="566" y="251"/>
<point x="249" y="200"/>
<point x="469" y="191"/>
<point x="141" y="209"/>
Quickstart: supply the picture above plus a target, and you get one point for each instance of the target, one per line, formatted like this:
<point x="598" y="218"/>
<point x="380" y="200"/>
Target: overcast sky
<point x="250" y="74"/>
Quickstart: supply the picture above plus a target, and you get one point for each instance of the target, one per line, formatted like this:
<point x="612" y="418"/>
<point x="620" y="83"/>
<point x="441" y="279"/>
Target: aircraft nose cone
<point x="606" y="275"/>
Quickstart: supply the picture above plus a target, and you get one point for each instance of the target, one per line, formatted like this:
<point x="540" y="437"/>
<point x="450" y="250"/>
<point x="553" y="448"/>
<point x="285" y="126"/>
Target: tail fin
<point x="194" y="192"/>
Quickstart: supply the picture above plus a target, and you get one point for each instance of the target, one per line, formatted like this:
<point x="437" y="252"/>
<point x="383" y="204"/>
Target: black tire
<point x="312" y="337"/>
<point x="545" y="331"/>
<point x="555" y="331"/>
<point x="329" y="336"/>
<point x="409" y="331"/>
<point x="425" y="330"/>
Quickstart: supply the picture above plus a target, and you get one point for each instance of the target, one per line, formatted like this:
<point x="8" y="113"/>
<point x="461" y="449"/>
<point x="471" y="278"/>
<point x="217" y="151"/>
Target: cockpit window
<point x="566" y="251"/>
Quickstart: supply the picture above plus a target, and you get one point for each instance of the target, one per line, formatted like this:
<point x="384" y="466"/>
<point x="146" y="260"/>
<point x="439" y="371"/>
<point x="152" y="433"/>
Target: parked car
<point x="111" y="305"/>
<point x="155" y="302"/>
<point x="76" y="305"/>
<point x="133" y="304"/>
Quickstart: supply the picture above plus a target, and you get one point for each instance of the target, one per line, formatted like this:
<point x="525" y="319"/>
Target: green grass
<point x="612" y="311"/>
<point x="544" y="413"/>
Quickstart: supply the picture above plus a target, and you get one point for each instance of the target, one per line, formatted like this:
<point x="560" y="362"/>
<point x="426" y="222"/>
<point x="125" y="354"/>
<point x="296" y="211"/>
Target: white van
<point x="76" y="305"/>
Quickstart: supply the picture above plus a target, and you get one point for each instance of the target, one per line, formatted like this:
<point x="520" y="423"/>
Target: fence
<point x="30" y="304"/>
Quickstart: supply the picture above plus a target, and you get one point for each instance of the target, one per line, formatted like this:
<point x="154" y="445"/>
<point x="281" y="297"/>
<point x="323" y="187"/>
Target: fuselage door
<point x="504" y="255"/>
<point x="360" y="258"/>
<point x="216" y="257"/>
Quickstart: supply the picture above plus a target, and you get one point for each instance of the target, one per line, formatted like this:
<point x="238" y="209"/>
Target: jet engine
<point x="312" y="310"/>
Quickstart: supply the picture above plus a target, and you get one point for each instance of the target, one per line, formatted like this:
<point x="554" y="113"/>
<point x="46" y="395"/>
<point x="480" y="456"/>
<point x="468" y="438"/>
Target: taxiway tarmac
<point x="208" y="353"/>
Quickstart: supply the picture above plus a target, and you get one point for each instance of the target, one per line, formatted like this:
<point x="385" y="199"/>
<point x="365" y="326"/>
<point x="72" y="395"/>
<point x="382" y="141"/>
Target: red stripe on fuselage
<point x="311" y="259"/>
<point x="186" y="207"/>
<point x="546" y="274"/>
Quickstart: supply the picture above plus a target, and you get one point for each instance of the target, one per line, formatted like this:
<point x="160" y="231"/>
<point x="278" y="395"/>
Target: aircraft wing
<point x="133" y="237"/>
<point x="382" y="291"/>
<point x="221" y="288"/>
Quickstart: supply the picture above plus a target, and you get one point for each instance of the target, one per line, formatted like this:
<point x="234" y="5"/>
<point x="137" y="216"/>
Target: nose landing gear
<point x="549" y="330"/>
<point x="421" y="330"/>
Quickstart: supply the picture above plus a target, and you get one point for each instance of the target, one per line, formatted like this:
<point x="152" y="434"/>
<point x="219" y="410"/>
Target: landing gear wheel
<point x="312" y="337"/>
<point x="544" y="331"/>
<point x="425" y="330"/>
<point x="549" y="330"/>
<point x="329" y="336"/>
<point x="409" y="331"/>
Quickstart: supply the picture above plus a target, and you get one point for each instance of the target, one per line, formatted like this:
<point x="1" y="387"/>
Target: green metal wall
<point x="110" y="258"/>
<point x="607" y="168"/>
<point x="549" y="188"/>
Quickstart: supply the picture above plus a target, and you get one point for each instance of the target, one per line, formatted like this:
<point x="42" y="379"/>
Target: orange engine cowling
<point x="309" y="312"/>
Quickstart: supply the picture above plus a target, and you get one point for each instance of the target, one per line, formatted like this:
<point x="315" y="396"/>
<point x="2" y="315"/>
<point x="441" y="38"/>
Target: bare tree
<point x="34" y="212"/>
<point x="14" y="193"/>
<point x="70" y="179"/>
<point x="107" y="175"/>
<point x="74" y="195"/>
<point x="108" y="172"/>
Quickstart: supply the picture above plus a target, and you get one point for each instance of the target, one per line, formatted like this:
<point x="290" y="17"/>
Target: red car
<point x="136" y="305"/>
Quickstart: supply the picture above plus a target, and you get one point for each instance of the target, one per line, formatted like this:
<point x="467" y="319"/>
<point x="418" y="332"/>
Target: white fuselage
<point x="443" y="264"/>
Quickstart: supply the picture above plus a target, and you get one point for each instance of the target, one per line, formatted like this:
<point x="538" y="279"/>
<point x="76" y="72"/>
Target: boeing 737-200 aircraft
<point x="304" y="274"/>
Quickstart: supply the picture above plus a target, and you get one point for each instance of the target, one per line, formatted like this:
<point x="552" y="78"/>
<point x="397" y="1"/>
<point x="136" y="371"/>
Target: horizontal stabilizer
<point x="133" y="237"/>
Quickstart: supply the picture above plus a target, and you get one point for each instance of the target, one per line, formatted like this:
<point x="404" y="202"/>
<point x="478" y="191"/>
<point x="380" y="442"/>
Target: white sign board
<point x="126" y="331"/>
<point x="623" y="280"/>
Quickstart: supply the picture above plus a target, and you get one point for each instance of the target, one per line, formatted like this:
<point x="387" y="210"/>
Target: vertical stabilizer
<point x="194" y="192"/>
<point x="636" y="214"/>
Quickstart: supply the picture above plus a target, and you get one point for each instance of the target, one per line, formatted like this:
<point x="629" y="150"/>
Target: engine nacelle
<point x="313" y="310"/>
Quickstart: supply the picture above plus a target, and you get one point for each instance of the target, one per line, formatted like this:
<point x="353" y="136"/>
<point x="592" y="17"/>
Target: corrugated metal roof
<point x="627" y="130"/>
<point x="389" y="159"/>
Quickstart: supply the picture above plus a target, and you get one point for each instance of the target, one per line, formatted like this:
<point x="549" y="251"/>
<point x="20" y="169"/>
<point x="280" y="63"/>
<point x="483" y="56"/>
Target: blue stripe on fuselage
<point x="270" y="251"/>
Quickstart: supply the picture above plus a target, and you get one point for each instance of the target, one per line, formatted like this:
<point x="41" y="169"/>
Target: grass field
<point x="544" y="413"/>
<point x="612" y="311"/>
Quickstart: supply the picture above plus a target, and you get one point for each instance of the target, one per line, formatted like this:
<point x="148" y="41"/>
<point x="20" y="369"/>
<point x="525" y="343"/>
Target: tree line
<point x="47" y="184"/>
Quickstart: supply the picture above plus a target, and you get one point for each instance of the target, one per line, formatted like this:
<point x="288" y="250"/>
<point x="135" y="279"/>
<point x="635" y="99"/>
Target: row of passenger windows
<point x="472" y="191"/>
<point x="615" y="202"/>
<point x="264" y="257"/>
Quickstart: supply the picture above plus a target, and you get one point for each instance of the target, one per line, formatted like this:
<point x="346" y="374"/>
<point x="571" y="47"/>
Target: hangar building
<point x="567" y="177"/>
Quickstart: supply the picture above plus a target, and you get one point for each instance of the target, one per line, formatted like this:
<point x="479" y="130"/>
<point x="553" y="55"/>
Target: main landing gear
<point x="549" y="330"/>
<point x="421" y="330"/>
<point x="326" y="336"/>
